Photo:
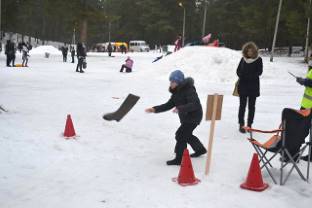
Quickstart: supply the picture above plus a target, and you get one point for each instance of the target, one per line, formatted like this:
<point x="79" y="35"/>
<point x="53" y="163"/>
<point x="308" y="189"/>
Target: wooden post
<point x="306" y="50"/>
<point x="212" y="127"/>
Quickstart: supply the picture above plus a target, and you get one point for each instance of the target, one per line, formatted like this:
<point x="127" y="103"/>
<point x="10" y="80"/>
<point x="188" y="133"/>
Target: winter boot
<point x="306" y="158"/>
<point x="175" y="161"/>
<point x="199" y="153"/>
<point x="81" y="71"/>
<point x="241" y="129"/>
<point x="286" y="159"/>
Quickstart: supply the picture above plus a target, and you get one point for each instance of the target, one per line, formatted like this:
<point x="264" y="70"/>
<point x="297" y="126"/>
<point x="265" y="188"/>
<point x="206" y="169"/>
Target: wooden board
<point x="210" y="106"/>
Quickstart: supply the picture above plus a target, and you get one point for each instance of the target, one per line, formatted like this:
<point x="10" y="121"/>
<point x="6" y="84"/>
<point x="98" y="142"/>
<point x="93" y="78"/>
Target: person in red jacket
<point x="178" y="43"/>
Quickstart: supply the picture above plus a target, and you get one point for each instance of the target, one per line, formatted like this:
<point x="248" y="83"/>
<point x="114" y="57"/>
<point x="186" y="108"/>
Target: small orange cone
<point x="254" y="180"/>
<point x="69" y="128"/>
<point x="186" y="175"/>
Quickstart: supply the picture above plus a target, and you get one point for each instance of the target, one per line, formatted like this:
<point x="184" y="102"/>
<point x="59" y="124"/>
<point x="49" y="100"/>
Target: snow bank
<point x="210" y="63"/>
<point x="218" y="65"/>
<point x="45" y="49"/>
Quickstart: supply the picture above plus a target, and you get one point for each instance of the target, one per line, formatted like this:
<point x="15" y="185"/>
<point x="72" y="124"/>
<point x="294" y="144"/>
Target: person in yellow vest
<point x="310" y="62"/>
<point x="306" y="102"/>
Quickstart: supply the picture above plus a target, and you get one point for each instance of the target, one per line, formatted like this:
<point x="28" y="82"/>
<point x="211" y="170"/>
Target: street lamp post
<point x="183" y="33"/>
<point x="109" y="31"/>
<point x="0" y="21"/>
<point x="306" y="52"/>
<point x="74" y="37"/>
<point x="205" y="16"/>
<point x="276" y="29"/>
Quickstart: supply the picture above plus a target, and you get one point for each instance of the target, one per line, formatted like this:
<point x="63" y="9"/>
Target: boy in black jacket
<point x="185" y="101"/>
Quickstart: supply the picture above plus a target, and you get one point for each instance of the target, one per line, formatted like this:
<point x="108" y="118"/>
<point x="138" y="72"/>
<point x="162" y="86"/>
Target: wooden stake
<point x="212" y="127"/>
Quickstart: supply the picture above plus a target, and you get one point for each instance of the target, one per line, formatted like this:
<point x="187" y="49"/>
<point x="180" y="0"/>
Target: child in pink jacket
<point x="128" y="65"/>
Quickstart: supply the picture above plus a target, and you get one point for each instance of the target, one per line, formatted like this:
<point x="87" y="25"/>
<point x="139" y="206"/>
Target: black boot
<point x="199" y="153"/>
<point x="175" y="161"/>
<point x="286" y="159"/>
<point x="306" y="158"/>
<point x="81" y="71"/>
<point x="241" y="129"/>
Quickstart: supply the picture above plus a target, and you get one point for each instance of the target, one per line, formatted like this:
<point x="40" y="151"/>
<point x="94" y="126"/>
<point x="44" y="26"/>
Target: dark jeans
<point x="302" y="108"/>
<point x="73" y="59"/>
<point x="25" y="61"/>
<point x="8" y="60"/>
<point x="79" y="65"/>
<point x="184" y="136"/>
<point x="64" y="58"/>
<point x="251" y="109"/>
<point x="125" y="67"/>
<point x="13" y="60"/>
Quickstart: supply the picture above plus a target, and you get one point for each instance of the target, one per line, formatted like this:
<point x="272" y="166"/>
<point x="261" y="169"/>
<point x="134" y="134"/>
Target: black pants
<point x="64" y="58"/>
<point x="25" y="60"/>
<point x="73" y="59"/>
<point x="184" y="136"/>
<point x="13" y="59"/>
<point x="125" y="67"/>
<point x="8" y="60"/>
<point x="251" y="109"/>
<point x="302" y="108"/>
<point x="79" y="65"/>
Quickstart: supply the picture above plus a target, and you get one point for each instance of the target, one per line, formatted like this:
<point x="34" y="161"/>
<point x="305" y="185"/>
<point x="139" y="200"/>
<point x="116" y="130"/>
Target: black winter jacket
<point x="9" y="48"/>
<point x="186" y="100"/>
<point x="248" y="73"/>
<point x="81" y="52"/>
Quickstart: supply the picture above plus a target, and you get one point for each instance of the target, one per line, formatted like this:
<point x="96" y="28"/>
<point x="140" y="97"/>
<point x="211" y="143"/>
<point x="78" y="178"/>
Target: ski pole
<point x="292" y="74"/>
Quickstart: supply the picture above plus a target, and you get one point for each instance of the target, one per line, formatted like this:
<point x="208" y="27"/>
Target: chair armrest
<point x="261" y="131"/>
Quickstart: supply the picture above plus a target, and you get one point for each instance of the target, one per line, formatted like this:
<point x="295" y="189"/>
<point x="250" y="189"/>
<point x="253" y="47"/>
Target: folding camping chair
<point x="288" y="140"/>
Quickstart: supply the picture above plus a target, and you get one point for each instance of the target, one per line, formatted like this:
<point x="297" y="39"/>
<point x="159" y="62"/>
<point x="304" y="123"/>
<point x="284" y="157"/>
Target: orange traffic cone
<point x="186" y="175"/>
<point x="69" y="128"/>
<point x="254" y="180"/>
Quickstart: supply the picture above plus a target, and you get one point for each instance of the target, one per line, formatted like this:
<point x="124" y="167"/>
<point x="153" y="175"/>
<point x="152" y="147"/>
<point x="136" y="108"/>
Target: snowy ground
<point x="120" y="165"/>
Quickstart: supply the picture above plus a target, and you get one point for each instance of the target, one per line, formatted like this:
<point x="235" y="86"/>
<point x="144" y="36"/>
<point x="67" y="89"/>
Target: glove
<point x="300" y="80"/>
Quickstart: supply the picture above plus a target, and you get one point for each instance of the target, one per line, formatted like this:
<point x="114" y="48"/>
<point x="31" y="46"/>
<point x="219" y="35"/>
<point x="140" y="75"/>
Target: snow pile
<point x="218" y="65"/>
<point x="210" y="63"/>
<point x="45" y="49"/>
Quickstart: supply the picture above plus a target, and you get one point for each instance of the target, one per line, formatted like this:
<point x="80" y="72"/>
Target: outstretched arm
<point x="164" y="107"/>
<point x="305" y="82"/>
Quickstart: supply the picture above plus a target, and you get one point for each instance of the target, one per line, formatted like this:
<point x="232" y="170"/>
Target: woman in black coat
<point x="185" y="101"/>
<point x="248" y="71"/>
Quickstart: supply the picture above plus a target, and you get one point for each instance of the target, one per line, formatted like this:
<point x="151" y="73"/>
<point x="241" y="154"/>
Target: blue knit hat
<point x="176" y="76"/>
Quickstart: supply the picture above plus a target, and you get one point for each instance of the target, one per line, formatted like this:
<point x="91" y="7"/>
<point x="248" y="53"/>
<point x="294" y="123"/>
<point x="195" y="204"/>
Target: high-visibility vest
<point x="307" y="97"/>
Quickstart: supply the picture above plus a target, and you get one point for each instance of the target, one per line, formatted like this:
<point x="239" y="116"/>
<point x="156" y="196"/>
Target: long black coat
<point x="10" y="49"/>
<point x="186" y="100"/>
<point x="248" y="73"/>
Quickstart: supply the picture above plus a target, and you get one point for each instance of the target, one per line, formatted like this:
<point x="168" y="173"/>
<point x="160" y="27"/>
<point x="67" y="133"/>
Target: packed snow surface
<point x="122" y="164"/>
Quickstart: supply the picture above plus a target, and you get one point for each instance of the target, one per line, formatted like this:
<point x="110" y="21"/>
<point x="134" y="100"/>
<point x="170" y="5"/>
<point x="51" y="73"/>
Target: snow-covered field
<point x="119" y="165"/>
